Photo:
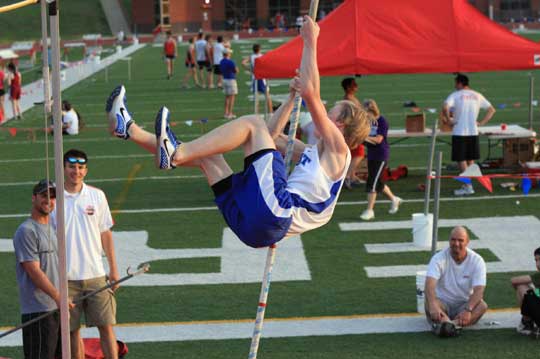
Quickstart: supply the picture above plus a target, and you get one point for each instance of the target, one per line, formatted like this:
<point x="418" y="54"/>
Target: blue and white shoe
<point x="166" y="141"/>
<point x="119" y="117"/>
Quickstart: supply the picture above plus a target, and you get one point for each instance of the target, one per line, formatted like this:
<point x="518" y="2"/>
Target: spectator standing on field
<point x="465" y="104"/>
<point x="37" y="275"/>
<point x="378" y="154"/>
<point x="230" y="87"/>
<point x="88" y="235"/>
<point x="217" y="53"/>
<point x="350" y="88"/>
<point x="191" y="64"/>
<point x="15" y="89"/>
<point x="2" y="93"/>
<point x="202" y="59"/>
<point x="170" y="53"/>
<point x="257" y="85"/>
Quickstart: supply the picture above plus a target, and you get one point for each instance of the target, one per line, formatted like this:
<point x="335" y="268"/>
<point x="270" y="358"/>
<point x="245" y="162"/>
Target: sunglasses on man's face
<point x="81" y="161"/>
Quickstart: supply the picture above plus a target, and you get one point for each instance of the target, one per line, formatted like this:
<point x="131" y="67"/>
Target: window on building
<point x="240" y="14"/>
<point x="283" y="13"/>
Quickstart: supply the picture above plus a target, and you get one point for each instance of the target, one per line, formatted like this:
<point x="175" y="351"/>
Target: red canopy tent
<point x="413" y="36"/>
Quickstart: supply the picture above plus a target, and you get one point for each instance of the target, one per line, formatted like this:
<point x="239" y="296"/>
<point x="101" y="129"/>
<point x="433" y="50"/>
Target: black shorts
<point x="2" y="92"/>
<point x="465" y="148"/>
<point x="42" y="338"/>
<point x="190" y="65"/>
<point x="217" y="70"/>
<point x="204" y="64"/>
<point x="374" y="181"/>
<point x="170" y="57"/>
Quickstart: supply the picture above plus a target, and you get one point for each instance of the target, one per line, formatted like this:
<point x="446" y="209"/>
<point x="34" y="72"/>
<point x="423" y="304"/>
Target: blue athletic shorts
<point x="261" y="86"/>
<point x="242" y="199"/>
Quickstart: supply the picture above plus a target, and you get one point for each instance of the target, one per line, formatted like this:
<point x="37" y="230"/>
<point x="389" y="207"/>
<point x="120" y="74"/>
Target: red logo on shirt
<point x="90" y="210"/>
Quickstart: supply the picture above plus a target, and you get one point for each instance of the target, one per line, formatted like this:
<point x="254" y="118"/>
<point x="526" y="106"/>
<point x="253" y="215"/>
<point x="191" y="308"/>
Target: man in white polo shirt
<point x="88" y="225"/>
<point x="465" y="104"/>
<point x="455" y="283"/>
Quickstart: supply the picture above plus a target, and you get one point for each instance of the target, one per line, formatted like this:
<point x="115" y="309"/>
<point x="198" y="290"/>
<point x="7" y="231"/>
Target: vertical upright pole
<point x="265" y="287"/>
<point x="436" y="195"/>
<point x="531" y="97"/>
<point x="59" y="175"/>
<point x="490" y="10"/>
<point x="255" y="96"/>
<point x="45" y="60"/>
<point x="427" y="190"/>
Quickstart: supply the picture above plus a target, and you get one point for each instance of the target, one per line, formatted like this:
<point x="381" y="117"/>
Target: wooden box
<point x="415" y="123"/>
<point x="517" y="150"/>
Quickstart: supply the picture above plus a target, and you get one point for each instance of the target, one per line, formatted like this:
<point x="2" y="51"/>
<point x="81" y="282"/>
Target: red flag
<point x="486" y="182"/>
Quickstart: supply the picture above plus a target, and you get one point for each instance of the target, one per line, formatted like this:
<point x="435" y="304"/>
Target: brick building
<point x="218" y="15"/>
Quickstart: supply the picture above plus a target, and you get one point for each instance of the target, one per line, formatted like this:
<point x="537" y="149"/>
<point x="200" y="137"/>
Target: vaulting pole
<point x="59" y="175"/>
<point x="17" y="5"/>
<point x="271" y="254"/>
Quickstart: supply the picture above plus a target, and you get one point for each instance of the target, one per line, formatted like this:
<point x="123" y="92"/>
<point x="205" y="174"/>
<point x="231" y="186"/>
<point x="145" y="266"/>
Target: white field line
<point x="283" y="328"/>
<point x="344" y="203"/>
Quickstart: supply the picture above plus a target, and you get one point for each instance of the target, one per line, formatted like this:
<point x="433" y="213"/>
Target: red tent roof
<point x="413" y="36"/>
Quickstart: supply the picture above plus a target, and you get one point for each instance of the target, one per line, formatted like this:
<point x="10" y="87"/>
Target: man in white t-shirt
<point x="465" y="104"/>
<point x="217" y="53"/>
<point x="88" y="225"/>
<point x="454" y="288"/>
<point x="70" y="119"/>
<point x="201" y="55"/>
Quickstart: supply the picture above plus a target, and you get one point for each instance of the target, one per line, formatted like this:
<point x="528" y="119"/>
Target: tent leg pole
<point x="436" y="195"/>
<point x="531" y="97"/>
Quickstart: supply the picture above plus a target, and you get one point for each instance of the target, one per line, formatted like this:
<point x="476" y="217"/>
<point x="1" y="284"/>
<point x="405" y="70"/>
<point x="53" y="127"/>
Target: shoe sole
<point x="119" y="131"/>
<point x="110" y="101"/>
<point x="162" y="156"/>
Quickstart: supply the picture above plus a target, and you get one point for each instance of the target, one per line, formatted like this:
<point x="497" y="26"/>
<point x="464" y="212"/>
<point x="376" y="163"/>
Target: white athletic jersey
<point x="71" y="119"/>
<point x="252" y="63"/>
<point x="218" y="52"/>
<point x="200" y="50"/>
<point x="466" y="104"/>
<point x="309" y="181"/>
<point x="87" y="215"/>
<point x="455" y="282"/>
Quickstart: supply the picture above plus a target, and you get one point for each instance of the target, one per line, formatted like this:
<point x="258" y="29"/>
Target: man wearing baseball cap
<point x="37" y="274"/>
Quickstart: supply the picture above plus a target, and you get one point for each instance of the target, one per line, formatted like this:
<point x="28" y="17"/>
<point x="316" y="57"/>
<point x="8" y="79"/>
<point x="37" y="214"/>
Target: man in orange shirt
<point x="169" y="50"/>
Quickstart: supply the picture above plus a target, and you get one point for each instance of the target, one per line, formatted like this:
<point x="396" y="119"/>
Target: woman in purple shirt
<point x="378" y="152"/>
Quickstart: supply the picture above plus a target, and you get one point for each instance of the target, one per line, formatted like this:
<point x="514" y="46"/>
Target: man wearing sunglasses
<point x="37" y="274"/>
<point x="455" y="283"/>
<point x="88" y="223"/>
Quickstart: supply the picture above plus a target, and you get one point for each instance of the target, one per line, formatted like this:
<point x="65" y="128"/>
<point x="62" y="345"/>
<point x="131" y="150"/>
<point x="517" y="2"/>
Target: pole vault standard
<point x="271" y="254"/>
<point x="59" y="175"/>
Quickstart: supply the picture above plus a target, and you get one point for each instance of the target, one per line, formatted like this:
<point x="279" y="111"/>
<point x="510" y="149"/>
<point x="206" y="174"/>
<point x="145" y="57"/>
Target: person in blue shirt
<point x="378" y="153"/>
<point x="230" y="87"/>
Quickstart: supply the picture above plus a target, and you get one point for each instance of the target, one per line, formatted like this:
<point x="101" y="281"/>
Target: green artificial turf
<point x="336" y="259"/>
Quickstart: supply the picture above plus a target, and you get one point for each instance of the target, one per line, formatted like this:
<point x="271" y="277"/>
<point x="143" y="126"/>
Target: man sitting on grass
<point x="527" y="293"/>
<point x="455" y="283"/>
<point x="260" y="204"/>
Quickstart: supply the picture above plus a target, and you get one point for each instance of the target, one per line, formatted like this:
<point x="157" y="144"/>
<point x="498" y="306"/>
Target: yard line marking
<point x="121" y="198"/>
<point x="284" y="328"/>
<point x="344" y="203"/>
